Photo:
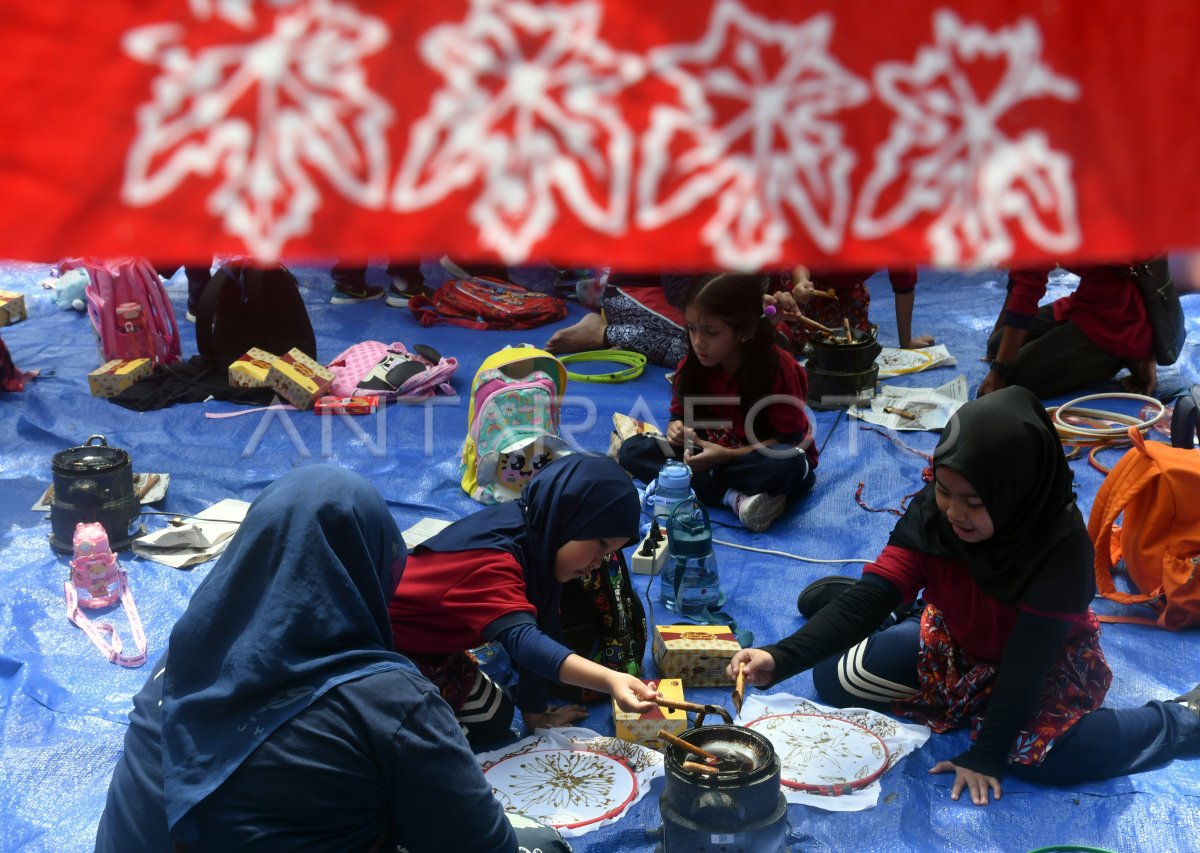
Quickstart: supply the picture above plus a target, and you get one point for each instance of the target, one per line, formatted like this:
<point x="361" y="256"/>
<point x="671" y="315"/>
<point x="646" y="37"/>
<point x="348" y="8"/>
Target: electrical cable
<point x="799" y="557"/>
<point x="635" y="361"/>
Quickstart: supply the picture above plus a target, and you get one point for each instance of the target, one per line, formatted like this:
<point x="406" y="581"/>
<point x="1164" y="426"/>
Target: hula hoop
<point x="635" y="360"/>
<point x="1074" y="406"/>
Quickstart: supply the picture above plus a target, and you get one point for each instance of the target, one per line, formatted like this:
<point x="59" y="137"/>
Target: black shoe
<point x="358" y="293"/>
<point x="820" y="592"/>
<point x="401" y="290"/>
<point x="1190" y="700"/>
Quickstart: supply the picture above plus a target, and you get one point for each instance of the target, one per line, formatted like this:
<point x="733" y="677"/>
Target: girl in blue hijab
<point x="280" y="717"/>
<point x="498" y="576"/>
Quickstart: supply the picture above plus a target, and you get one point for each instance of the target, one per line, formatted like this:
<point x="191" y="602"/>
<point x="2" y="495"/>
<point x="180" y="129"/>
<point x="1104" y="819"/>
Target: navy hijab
<point x="296" y="605"/>
<point x="1040" y="554"/>
<point x="579" y="496"/>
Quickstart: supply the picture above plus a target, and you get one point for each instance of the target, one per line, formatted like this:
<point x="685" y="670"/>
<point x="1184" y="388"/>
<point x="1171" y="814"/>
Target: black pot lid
<point x="91" y="458"/>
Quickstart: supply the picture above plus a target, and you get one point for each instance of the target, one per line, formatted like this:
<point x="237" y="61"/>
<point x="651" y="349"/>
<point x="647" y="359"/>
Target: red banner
<point x="676" y="134"/>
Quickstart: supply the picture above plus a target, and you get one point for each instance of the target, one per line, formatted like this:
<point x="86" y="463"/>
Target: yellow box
<point x="251" y="369"/>
<point x="298" y="379"/>
<point x="12" y="307"/>
<point x="643" y="728"/>
<point x="698" y="654"/>
<point x="113" y="377"/>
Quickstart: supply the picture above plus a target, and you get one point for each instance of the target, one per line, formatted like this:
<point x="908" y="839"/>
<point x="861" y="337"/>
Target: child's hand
<point x="760" y="667"/>
<point x="703" y="455"/>
<point x="676" y="433"/>
<point x="802" y="286"/>
<point x="977" y="784"/>
<point x="784" y="303"/>
<point x="632" y="694"/>
<point x="554" y="717"/>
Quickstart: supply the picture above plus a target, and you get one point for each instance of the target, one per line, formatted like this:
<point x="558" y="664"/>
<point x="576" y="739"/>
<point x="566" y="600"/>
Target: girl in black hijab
<point x="1005" y="642"/>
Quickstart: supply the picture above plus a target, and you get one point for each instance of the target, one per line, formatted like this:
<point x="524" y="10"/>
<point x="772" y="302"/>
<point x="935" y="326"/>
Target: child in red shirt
<point x="498" y="576"/>
<point x="738" y="407"/>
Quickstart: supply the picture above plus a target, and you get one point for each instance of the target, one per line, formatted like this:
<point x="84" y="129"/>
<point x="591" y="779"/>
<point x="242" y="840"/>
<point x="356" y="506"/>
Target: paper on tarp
<point x="900" y="362"/>
<point x="901" y="740"/>
<point x="200" y="539"/>
<point x="422" y="530"/>
<point x="931" y="408"/>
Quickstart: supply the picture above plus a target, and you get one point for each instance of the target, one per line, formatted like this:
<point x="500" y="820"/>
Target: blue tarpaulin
<point x="63" y="708"/>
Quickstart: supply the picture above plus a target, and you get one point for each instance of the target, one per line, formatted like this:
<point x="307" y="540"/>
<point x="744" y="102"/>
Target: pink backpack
<point x="391" y="372"/>
<point x="129" y="309"/>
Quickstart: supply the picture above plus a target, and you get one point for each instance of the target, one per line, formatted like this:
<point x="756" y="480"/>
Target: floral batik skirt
<point x="954" y="689"/>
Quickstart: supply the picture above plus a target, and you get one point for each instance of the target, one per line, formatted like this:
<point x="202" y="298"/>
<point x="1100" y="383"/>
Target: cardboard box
<point x="251" y="369"/>
<point x="698" y="654"/>
<point x="113" y="377"/>
<point x="643" y="728"/>
<point x="298" y="379"/>
<point x="12" y="307"/>
<point x="346" y="405"/>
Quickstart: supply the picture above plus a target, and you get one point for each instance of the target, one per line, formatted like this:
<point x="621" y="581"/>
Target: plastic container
<point x="672" y="485"/>
<point x="690" y="582"/>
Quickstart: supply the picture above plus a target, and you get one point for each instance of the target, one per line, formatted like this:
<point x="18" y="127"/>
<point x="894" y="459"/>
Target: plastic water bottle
<point x="691" y="583"/>
<point x="672" y="485"/>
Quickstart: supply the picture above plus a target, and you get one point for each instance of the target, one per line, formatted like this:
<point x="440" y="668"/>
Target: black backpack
<point x="246" y="306"/>
<point x="1163" y="309"/>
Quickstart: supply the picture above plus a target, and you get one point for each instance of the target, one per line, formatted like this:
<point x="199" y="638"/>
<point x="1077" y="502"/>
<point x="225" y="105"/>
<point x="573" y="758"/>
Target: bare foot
<point x="587" y="334"/>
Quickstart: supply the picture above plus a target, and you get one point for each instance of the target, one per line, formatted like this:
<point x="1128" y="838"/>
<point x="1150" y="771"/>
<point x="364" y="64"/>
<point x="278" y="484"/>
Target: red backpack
<point x="129" y="309"/>
<point x="486" y="303"/>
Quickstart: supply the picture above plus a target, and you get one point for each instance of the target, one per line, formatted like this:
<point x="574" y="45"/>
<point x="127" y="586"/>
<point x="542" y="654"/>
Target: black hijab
<point x="579" y="496"/>
<point x="1007" y="449"/>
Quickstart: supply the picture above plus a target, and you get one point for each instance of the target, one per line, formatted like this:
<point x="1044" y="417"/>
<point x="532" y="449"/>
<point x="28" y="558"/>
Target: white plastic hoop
<point x="1074" y="406"/>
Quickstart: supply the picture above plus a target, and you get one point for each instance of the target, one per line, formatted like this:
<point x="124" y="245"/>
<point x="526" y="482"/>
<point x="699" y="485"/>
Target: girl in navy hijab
<point x="280" y="717"/>
<point x="497" y="575"/>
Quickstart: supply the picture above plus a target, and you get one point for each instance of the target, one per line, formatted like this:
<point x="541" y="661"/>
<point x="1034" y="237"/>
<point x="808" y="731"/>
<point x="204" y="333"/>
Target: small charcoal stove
<point x="842" y="372"/>
<point x="93" y="482"/>
<point x="739" y="809"/>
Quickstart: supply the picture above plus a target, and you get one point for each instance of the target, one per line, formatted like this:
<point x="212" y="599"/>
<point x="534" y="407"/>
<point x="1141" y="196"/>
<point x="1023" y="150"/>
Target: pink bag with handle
<point x="391" y="371"/>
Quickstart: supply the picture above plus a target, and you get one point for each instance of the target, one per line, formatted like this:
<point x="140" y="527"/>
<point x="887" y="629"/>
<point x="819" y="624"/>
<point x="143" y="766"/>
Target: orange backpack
<point x="1158" y="489"/>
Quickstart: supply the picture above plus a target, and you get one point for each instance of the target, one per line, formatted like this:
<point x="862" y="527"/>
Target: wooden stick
<point x="825" y="294"/>
<point x="679" y="705"/>
<point x="683" y="744"/>
<point x="697" y="768"/>
<point x="813" y="324"/>
<point x="849" y="333"/>
<point x="739" y="688"/>
<point x="892" y="410"/>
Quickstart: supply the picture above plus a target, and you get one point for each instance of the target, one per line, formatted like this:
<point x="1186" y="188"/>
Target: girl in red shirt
<point x="1005" y="642"/>
<point x="498" y="575"/>
<point x="738" y="408"/>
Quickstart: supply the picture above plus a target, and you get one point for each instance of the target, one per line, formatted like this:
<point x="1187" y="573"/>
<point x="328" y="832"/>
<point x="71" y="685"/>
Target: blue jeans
<point x="1107" y="742"/>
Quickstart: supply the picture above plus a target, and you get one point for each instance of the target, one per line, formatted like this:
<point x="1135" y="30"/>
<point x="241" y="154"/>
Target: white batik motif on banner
<point x="312" y="112"/>
<point x="946" y="153"/>
<point x="527" y="125"/>
<point x="780" y="157"/>
<point x="528" y="128"/>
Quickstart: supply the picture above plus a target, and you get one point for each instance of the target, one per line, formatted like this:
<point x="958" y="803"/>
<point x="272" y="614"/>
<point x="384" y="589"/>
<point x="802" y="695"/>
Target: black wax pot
<point x="93" y="482"/>
<point x="842" y="373"/>
<point x="738" y="809"/>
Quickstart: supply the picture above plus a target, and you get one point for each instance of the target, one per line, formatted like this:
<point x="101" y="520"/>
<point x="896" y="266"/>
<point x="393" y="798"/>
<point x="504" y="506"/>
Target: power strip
<point x="650" y="564"/>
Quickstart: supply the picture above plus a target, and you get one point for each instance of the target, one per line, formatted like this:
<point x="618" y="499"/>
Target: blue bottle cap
<point x="675" y="475"/>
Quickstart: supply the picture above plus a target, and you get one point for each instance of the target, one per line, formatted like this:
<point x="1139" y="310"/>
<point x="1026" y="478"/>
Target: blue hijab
<point x="579" y="496"/>
<point x="296" y="605"/>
